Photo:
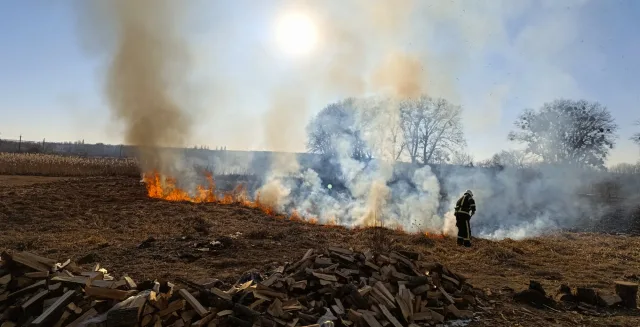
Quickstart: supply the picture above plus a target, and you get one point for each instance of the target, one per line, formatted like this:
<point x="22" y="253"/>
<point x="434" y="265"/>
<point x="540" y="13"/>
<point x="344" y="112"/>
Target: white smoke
<point x="365" y="54"/>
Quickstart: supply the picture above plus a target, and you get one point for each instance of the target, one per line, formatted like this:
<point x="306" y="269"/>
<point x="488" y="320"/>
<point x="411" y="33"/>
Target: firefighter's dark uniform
<point x="465" y="208"/>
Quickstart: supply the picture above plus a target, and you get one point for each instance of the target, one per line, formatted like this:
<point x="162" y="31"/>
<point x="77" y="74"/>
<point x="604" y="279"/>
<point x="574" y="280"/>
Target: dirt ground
<point x="106" y="219"/>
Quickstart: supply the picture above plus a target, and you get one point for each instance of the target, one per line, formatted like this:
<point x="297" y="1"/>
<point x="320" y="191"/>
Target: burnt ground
<point x="106" y="219"/>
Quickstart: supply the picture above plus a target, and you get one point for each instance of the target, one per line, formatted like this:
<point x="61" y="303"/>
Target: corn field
<point x="57" y="165"/>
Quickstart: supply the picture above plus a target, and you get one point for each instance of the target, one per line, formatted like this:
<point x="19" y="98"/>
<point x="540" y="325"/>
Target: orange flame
<point x="433" y="235"/>
<point x="165" y="188"/>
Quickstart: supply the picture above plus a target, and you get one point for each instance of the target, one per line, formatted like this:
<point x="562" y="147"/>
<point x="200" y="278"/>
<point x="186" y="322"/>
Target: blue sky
<point x="493" y="57"/>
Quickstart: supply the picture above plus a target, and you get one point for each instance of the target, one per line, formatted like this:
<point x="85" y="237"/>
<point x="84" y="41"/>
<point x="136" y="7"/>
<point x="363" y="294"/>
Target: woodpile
<point x="585" y="300"/>
<point x="339" y="285"/>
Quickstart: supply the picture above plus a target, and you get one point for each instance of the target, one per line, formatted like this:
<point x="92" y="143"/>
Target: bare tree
<point x="493" y="162"/>
<point x="461" y="158"/>
<point x="636" y="136"/>
<point x="431" y="129"/>
<point x="379" y="122"/>
<point x="566" y="131"/>
<point x="335" y="129"/>
<point x="515" y="158"/>
<point x="411" y="121"/>
<point x="626" y="169"/>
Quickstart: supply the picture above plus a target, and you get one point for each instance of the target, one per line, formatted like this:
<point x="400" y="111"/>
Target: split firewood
<point x="45" y="318"/>
<point x="628" y="292"/>
<point x="107" y="293"/>
<point x="87" y="315"/>
<point x="195" y="304"/>
<point x="353" y="288"/>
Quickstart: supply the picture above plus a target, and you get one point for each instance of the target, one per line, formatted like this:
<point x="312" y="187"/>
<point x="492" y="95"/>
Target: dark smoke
<point x="147" y="63"/>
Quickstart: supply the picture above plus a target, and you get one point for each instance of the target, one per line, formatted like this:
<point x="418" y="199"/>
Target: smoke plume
<point x="147" y="62"/>
<point x="358" y="55"/>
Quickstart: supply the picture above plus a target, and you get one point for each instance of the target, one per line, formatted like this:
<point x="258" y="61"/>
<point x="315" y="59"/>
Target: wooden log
<point x="389" y="316"/>
<point x="195" y="304"/>
<point x="107" y="293"/>
<point x="56" y="289"/>
<point x="451" y="279"/>
<point x="81" y="280"/>
<point x="37" y="274"/>
<point x="49" y="302"/>
<point x="74" y="308"/>
<point x="323" y="262"/>
<point x="241" y="310"/>
<point x="628" y="292"/>
<point x="118" y="284"/>
<point x="271" y="279"/>
<point x="204" y="321"/>
<point x="460" y="314"/>
<point x="354" y="316"/>
<point x="415" y="256"/>
<point x="447" y="296"/>
<point x="371" y="320"/>
<point x="425" y="315"/>
<point x="132" y="285"/>
<point x="609" y="300"/>
<point x="296" y="265"/>
<point x="340" y="250"/>
<point x="346" y="258"/>
<point x="220" y="293"/>
<point x="33" y="261"/>
<point x="4" y="280"/>
<point x="29" y="289"/>
<point x="330" y="278"/>
<point x="45" y="318"/>
<point x="380" y="287"/>
<point x="587" y="295"/>
<point x="275" y="309"/>
<point x="437" y="317"/>
<point x="404" y="307"/>
<point x="63" y="319"/>
<point x="34" y="304"/>
<point x="89" y="314"/>
<point x="372" y="265"/>
<point x="172" y="307"/>
<point x="382" y="299"/>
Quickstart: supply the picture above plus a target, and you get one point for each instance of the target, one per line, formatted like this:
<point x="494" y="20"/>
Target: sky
<point x="495" y="58"/>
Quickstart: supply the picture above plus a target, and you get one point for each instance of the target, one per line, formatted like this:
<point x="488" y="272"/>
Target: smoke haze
<point x="365" y="47"/>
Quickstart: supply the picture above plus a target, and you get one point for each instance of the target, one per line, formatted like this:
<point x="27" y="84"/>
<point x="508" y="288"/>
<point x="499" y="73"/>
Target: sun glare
<point x="296" y="33"/>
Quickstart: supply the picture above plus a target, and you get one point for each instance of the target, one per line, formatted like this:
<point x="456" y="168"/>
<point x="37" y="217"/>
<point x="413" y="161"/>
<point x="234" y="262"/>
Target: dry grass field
<point x="35" y="164"/>
<point x="97" y="216"/>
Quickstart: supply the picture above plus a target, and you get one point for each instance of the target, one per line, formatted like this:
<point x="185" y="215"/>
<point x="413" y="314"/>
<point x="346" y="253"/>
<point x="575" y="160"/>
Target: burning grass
<point x="165" y="188"/>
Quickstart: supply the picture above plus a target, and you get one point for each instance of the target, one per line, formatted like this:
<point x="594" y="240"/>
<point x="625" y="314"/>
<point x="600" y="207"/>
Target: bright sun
<point x="296" y="33"/>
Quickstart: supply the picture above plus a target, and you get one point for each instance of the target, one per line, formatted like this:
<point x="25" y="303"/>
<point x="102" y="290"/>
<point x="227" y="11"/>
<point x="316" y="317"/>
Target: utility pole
<point x="19" y="143"/>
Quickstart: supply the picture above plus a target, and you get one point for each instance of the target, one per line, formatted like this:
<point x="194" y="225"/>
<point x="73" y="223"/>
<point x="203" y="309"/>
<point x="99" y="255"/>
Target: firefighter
<point x="465" y="209"/>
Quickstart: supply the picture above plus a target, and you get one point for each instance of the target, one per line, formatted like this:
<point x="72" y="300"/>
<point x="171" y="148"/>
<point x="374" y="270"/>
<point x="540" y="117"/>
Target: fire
<point x="434" y="235"/>
<point x="165" y="188"/>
